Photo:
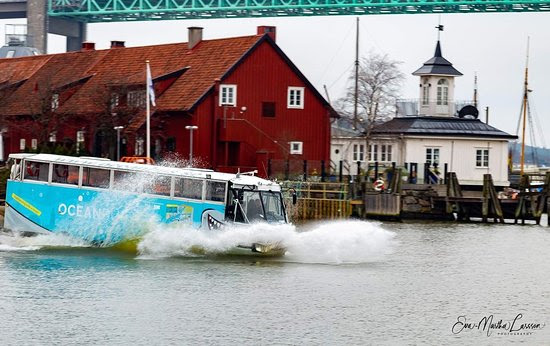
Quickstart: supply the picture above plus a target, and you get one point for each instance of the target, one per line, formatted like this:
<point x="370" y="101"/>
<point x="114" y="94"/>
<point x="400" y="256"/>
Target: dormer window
<point x="442" y="92"/>
<point x="114" y="101"/>
<point x="55" y="101"/>
<point x="135" y="98"/>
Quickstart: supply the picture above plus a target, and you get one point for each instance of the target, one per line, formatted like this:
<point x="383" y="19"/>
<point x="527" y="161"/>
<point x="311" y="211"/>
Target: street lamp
<point x="191" y="128"/>
<point x="118" y="129"/>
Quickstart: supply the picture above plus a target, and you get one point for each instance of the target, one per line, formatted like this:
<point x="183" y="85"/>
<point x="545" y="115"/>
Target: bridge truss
<point x="139" y="10"/>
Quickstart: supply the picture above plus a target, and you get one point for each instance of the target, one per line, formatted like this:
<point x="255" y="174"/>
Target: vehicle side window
<point x="126" y="181"/>
<point x="158" y="185"/>
<point x="36" y="171"/>
<point x="215" y="191"/>
<point x="188" y="188"/>
<point x="96" y="177"/>
<point x="65" y="174"/>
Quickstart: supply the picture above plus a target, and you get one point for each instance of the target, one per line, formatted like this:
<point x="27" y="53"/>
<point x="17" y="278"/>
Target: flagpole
<point x="148" y="114"/>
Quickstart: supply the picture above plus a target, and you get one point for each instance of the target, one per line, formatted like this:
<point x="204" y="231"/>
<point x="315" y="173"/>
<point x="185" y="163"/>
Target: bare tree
<point x="379" y="82"/>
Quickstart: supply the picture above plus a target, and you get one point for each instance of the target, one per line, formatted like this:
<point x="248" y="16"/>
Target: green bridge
<point x="137" y="10"/>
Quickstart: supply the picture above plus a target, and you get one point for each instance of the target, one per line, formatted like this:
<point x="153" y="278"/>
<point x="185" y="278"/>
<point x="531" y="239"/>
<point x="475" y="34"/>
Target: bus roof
<point x="238" y="179"/>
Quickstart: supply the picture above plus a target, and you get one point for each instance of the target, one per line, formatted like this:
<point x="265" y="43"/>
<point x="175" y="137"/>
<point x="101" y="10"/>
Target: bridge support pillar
<point x="73" y="30"/>
<point x="39" y="25"/>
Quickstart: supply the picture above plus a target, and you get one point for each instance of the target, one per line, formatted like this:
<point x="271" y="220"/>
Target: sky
<point x="492" y="45"/>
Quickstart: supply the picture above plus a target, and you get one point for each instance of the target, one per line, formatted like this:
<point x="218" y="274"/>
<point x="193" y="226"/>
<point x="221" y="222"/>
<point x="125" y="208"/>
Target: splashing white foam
<point x="340" y="242"/>
<point x="328" y="242"/>
<point x="17" y="242"/>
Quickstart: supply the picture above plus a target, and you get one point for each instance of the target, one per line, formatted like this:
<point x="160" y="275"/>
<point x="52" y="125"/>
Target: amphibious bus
<point x="106" y="202"/>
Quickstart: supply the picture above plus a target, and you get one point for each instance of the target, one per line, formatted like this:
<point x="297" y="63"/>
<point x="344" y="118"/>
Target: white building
<point x="434" y="131"/>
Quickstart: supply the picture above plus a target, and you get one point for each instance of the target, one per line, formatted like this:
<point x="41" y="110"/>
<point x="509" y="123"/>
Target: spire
<point x="437" y="65"/>
<point x="438" y="50"/>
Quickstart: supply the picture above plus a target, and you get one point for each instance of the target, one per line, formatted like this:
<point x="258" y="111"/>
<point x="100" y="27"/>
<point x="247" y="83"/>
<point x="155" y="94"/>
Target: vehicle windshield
<point x="256" y="206"/>
<point x="273" y="206"/>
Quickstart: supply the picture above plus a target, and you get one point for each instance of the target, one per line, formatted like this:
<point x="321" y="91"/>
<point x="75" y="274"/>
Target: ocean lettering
<point x="81" y="211"/>
<point x="62" y="209"/>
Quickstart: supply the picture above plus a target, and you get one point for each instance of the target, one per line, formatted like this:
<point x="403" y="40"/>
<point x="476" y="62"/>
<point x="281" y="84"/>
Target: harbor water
<point x="340" y="283"/>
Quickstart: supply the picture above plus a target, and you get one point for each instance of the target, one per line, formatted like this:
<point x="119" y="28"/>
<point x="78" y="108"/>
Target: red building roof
<point x="205" y="63"/>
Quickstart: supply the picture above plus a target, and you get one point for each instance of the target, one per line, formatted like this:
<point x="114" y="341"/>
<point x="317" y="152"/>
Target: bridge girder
<point x="141" y="10"/>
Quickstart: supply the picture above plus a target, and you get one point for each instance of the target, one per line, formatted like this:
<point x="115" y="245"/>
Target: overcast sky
<point x="493" y="45"/>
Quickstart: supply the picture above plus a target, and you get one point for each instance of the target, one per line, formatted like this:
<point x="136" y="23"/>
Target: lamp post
<point x="191" y="128"/>
<point x="118" y="129"/>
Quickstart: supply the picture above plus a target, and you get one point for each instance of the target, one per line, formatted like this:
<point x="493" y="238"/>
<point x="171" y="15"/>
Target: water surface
<point x="342" y="283"/>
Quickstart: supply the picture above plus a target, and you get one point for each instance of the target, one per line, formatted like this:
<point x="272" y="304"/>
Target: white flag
<point x="150" y="87"/>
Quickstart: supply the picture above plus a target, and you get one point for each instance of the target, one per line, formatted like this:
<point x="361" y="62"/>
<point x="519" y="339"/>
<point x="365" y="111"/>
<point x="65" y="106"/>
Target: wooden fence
<point x="318" y="200"/>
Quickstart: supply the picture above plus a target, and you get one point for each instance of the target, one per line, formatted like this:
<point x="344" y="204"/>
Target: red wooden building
<point x="248" y="100"/>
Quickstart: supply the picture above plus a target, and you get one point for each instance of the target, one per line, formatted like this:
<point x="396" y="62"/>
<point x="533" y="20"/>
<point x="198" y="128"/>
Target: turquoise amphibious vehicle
<point x="106" y="202"/>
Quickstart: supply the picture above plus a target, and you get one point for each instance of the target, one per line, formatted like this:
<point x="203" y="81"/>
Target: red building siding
<point x="264" y="76"/>
<point x="227" y="138"/>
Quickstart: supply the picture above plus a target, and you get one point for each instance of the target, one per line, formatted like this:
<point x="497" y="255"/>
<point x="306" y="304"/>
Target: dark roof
<point x="440" y="126"/>
<point x="437" y="65"/>
<point x="343" y="127"/>
<point x="18" y="51"/>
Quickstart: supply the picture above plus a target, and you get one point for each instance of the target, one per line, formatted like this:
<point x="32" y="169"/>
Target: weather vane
<point x="439" y="28"/>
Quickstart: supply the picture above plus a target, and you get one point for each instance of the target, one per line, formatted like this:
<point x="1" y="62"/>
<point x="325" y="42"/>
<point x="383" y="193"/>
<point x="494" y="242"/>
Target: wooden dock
<point x="320" y="200"/>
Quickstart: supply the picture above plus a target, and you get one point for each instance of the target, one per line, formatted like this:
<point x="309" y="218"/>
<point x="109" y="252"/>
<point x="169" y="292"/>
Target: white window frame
<point x="22" y="144"/>
<point x="53" y="137"/>
<point x="425" y="95"/>
<point x="292" y="101"/>
<point x="358" y="152"/>
<point x="55" y="101"/>
<point x="442" y="92"/>
<point x="34" y="144"/>
<point x="483" y="154"/>
<point x="296" y="148"/>
<point x="136" y="98"/>
<point x="80" y="136"/>
<point x="225" y="100"/>
<point x="140" y="146"/>
<point x="373" y="153"/>
<point x="431" y="156"/>
<point x="389" y="152"/>
<point x="114" y="101"/>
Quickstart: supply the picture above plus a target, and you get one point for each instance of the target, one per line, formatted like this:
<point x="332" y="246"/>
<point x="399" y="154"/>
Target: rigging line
<point x="519" y="118"/>
<point x="517" y="141"/>
<point x="533" y="140"/>
<point x="340" y="77"/>
<point x="337" y="52"/>
<point x="372" y="37"/>
<point x="538" y="126"/>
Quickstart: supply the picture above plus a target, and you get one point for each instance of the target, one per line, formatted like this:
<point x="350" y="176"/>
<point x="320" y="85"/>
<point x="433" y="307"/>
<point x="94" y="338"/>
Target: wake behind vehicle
<point x="107" y="202"/>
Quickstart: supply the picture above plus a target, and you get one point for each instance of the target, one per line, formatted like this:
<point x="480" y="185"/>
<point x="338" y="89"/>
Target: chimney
<point x="266" y="29"/>
<point x="117" y="44"/>
<point x="86" y="46"/>
<point x="195" y="36"/>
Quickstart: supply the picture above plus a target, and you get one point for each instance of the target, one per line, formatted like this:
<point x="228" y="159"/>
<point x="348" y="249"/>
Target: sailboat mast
<point x="355" y="116"/>
<point x="525" y="92"/>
